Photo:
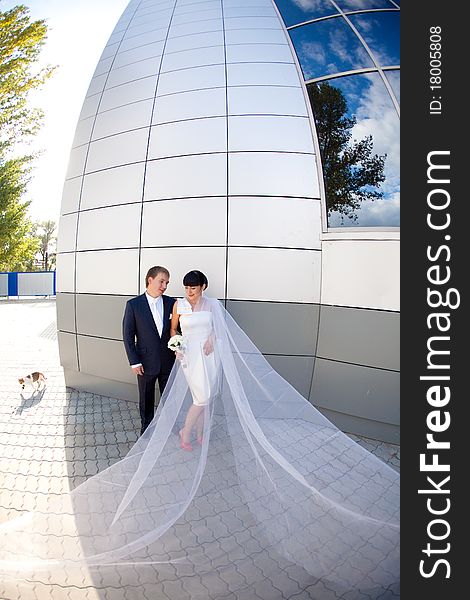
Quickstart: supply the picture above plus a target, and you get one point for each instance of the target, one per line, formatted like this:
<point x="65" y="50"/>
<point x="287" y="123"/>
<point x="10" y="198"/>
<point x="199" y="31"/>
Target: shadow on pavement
<point x="29" y="401"/>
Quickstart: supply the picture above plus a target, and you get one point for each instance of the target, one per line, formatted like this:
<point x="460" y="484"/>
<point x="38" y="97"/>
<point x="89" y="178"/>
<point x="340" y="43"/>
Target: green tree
<point x="21" y="41"/>
<point x="18" y="247"/>
<point x="44" y="232"/>
<point x="351" y="172"/>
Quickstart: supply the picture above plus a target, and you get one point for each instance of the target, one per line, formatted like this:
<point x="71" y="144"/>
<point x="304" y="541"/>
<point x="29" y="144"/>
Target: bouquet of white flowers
<point x="177" y="343"/>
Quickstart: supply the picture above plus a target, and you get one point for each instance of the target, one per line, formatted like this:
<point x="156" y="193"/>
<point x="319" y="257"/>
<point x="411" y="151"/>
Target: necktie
<point x="157" y="317"/>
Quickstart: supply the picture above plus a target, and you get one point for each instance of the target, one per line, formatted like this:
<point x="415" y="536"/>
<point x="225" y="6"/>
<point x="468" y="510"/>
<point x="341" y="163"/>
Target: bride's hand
<point x="179" y="355"/>
<point x="208" y="347"/>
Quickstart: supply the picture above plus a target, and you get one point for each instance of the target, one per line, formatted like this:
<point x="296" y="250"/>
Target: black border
<point x="423" y="133"/>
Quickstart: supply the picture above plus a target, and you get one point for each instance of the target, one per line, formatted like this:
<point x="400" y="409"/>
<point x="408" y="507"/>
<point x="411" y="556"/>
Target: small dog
<point x="34" y="379"/>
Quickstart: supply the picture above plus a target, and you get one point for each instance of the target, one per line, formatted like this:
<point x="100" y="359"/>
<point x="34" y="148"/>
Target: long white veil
<point x="276" y="503"/>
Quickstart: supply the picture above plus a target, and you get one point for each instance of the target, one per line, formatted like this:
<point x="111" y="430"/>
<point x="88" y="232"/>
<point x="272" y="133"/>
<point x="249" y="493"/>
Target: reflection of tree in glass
<point x="352" y="174"/>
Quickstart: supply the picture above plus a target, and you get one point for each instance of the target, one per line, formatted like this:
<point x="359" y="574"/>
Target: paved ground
<point x="51" y="441"/>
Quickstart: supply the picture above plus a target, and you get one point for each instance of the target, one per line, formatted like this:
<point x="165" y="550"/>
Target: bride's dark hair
<point x="195" y="278"/>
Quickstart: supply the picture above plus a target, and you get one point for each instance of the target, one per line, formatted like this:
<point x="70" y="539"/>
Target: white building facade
<point x="197" y="148"/>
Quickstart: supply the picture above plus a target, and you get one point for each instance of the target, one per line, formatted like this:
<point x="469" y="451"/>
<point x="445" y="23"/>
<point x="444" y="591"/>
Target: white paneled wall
<point x="197" y="57"/>
<point x="118" y="185"/>
<point x="120" y="149"/>
<point x="190" y="105"/>
<point x="123" y="118"/>
<point x="262" y="74"/>
<point x="126" y="93"/>
<point x="67" y="232"/>
<point x="270" y="134"/>
<point x="197" y="40"/>
<point x="71" y="195"/>
<point x="193" y="150"/>
<point x="271" y="222"/>
<point x="65" y="265"/>
<point x="196" y="136"/>
<point x="274" y="274"/>
<point x="110" y="227"/>
<point x="265" y="100"/>
<point x="195" y="78"/>
<point x="276" y="53"/>
<point x="197" y="111"/>
<point x="76" y="162"/>
<point x="90" y="105"/>
<point x="135" y="71"/>
<point x="196" y="221"/>
<point x="361" y="273"/>
<point x="108" y="272"/>
<point x="179" y="177"/>
<point x="83" y="132"/>
<point x="136" y="55"/>
<point x="271" y="174"/>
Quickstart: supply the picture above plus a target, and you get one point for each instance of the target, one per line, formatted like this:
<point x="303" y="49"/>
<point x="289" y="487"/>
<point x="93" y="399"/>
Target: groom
<point x="146" y="331"/>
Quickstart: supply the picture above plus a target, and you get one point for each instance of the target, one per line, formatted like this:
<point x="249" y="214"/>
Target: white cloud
<point x="309" y="50"/>
<point x="355" y="4"/>
<point x="307" y="5"/>
<point x="349" y="52"/>
<point x="377" y="116"/>
<point x="338" y="45"/>
<point x="373" y="213"/>
<point x="369" y="27"/>
<point x="381" y="213"/>
<point x="366" y="24"/>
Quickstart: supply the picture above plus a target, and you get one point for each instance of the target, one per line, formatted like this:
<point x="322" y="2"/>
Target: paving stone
<point x="51" y="442"/>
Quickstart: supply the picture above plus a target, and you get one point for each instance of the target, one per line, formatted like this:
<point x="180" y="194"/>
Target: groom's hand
<point x="138" y="370"/>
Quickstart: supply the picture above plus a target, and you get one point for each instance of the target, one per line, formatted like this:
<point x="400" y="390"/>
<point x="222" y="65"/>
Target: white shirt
<point x="156" y="308"/>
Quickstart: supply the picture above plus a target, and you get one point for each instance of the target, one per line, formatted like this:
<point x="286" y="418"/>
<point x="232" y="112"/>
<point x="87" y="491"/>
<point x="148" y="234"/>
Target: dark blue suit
<point x="144" y="345"/>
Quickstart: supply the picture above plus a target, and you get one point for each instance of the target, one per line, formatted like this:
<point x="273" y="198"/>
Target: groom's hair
<point x="154" y="271"/>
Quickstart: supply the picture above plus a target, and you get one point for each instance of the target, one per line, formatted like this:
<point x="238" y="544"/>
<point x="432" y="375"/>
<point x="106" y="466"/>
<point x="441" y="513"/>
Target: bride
<point x="238" y="489"/>
<point x="193" y="314"/>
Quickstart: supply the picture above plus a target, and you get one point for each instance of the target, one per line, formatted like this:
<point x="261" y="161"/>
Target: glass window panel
<point x="381" y="32"/>
<point x="394" y="80"/>
<point x="298" y="11"/>
<point x="360" y="191"/>
<point x="363" y="4"/>
<point x="328" y="47"/>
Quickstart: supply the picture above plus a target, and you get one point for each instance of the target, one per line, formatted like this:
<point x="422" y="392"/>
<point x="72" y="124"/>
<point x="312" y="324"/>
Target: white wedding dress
<point x="278" y="503"/>
<point x="199" y="367"/>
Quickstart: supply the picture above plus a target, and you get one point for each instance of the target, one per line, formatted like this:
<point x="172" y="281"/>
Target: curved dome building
<point x="206" y="140"/>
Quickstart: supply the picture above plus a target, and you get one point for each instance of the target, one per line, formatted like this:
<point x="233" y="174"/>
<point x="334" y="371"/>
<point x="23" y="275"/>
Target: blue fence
<point x="34" y="283"/>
